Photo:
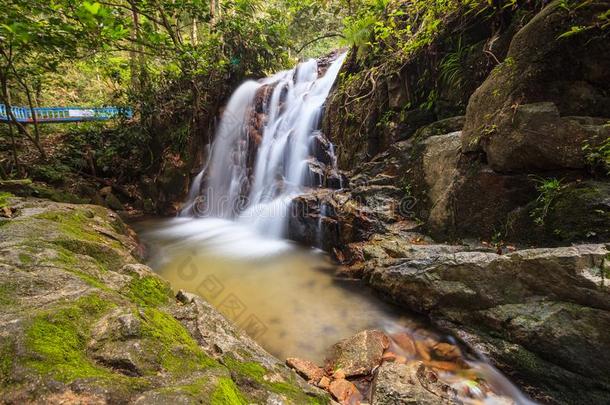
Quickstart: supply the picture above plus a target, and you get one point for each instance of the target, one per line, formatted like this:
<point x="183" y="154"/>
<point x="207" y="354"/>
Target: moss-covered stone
<point x="57" y="340"/>
<point x="79" y="309"/>
<point x="7" y="356"/>
<point x="170" y="341"/>
<point x="7" y="294"/>
<point x="227" y="393"/>
<point x="4" y="198"/>
<point x="581" y="212"/>
<point x="249" y="373"/>
<point x="149" y="291"/>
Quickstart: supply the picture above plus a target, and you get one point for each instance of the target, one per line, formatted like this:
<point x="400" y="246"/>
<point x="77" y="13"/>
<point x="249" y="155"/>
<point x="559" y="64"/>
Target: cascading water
<point x="258" y="192"/>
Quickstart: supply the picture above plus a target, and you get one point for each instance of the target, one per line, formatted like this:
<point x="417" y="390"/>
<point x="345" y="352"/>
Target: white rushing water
<point x="259" y="194"/>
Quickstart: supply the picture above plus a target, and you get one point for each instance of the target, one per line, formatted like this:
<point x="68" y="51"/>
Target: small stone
<point x="405" y="342"/>
<point x="389" y="356"/>
<point x="185" y="297"/>
<point x="345" y="392"/>
<point x="129" y="326"/>
<point x="410" y="383"/>
<point x="305" y="368"/>
<point x="104" y="191"/>
<point x="447" y="351"/>
<point x="443" y="365"/>
<point x="339" y="374"/>
<point x="6" y="212"/>
<point x="423" y="350"/>
<point x="324" y="383"/>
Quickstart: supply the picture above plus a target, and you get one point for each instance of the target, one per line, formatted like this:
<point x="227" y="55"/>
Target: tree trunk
<point x="6" y="98"/>
<point x="194" y="33"/>
<point x="11" y="133"/>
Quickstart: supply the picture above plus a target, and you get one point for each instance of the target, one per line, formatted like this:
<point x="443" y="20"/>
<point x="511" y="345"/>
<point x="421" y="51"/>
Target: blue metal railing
<point x="64" y="114"/>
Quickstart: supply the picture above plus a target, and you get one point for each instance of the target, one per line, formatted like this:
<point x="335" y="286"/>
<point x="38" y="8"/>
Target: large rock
<point x="440" y="167"/>
<point x="537" y="138"/>
<point x="550" y="305"/>
<point x="578" y="211"/>
<point x="410" y="383"/>
<point x="81" y="321"/>
<point x="519" y="117"/>
<point x="359" y="354"/>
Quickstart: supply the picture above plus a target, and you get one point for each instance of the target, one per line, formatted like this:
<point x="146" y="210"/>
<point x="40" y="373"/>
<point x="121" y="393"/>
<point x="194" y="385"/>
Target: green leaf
<point x="92" y="8"/>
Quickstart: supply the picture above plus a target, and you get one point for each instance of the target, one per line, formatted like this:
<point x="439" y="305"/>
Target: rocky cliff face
<point x="83" y="322"/>
<point x="534" y="131"/>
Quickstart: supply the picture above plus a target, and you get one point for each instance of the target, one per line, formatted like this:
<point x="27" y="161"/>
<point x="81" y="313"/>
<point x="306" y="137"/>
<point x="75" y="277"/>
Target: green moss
<point x="7" y="358"/>
<point x="25" y="259"/>
<point x="250" y="370"/>
<point x="149" y="291"/>
<point x="177" y="351"/>
<point x="105" y="256"/>
<point x="68" y="261"/>
<point x="7" y="295"/>
<point x="73" y="223"/>
<point x="4" y="197"/>
<point x="58" y="339"/>
<point x="41" y="191"/>
<point x="255" y="372"/>
<point x="227" y="393"/>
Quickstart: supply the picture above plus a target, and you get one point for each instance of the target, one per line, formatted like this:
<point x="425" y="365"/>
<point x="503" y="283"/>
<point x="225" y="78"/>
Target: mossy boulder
<point x="519" y="117"/>
<point x="577" y="211"/>
<point x="81" y="320"/>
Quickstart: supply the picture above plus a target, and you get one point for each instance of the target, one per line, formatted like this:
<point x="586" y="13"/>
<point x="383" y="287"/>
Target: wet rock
<point x="320" y="149"/>
<point x="319" y="174"/>
<point x="551" y="303"/>
<point x="324" y="383"/>
<point x="306" y="369"/>
<point x="345" y="392"/>
<point x="360" y="354"/>
<point x="410" y="383"/>
<point x="328" y="220"/>
<point x="405" y="343"/>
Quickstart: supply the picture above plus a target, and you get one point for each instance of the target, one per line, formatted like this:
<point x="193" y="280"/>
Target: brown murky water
<point x="284" y="296"/>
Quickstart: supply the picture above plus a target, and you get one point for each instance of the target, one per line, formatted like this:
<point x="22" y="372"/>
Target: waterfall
<point x="255" y="167"/>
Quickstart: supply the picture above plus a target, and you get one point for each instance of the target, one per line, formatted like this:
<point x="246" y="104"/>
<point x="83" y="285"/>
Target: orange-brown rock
<point x="324" y="383"/>
<point x="447" y="351"/>
<point x="345" y="392"/>
<point x="306" y="369"/>
<point x="423" y="350"/>
<point x="405" y="342"/>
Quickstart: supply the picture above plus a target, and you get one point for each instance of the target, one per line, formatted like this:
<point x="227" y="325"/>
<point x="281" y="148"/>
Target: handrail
<point x="64" y="114"/>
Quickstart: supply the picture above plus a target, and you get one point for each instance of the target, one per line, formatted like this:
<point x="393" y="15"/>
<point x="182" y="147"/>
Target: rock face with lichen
<point x="82" y="321"/>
